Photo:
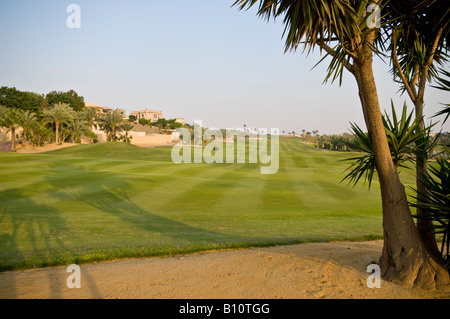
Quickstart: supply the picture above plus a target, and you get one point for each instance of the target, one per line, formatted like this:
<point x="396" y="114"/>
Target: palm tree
<point x="402" y="138"/>
<point x="127" y="127"/>
<point x="343" y="30"/>
<point x="40" y="133"/>
<point x="11" y="119"/>
<point x="90" y="115"/>
<point x="27" y="121"/>
<point x="111" y="122"/>
<point x="416" y="49"/>
<point x="59" y="114"/>
<point x="78" y="127"/>
<point x="3" y="110"/>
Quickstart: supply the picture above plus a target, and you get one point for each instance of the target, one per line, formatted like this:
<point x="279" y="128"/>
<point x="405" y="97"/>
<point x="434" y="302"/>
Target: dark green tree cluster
<point x="335" y="142"/>
<point x="13" y="98"/>
<point x="143" y="121"/>
<point x="35" y="102"/>
<point x="71" y="98"/>
<point x="165" y="124"/>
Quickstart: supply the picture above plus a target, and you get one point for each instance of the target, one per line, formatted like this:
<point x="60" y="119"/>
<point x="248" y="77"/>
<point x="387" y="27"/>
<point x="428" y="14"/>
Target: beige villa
<point x="147" y="114"/>
<point x="140" y="135"/>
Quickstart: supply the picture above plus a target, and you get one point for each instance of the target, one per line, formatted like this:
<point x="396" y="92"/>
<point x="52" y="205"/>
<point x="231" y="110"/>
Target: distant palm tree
<point x="27" y="121"/>
<point x="59" y="114"/>
<point x="3" y="110"/>
<point x="90" y="114"/>
<point x="127" y="127"/>
<point x="10" y="118"/>
<point x="111" y="123"/>
<point x="78" y="127"/>
<point x="40" y="133"/>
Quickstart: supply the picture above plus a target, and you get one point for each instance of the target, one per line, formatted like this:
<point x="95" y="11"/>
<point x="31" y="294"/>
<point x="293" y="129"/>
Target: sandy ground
<point x="51" y="147"/>
<point x="305" y="271"/>
<point x="153" y="145"/>
<point x="45" y="148"/>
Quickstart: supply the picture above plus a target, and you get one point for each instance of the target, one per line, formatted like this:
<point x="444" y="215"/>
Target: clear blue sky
<point x="200" y="60"/>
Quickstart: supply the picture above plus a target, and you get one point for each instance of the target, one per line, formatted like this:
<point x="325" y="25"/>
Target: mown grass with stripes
<point x="100" y="202"/>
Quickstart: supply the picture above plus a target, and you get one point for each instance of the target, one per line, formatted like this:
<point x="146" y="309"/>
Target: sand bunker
<point x="306" y="271"/>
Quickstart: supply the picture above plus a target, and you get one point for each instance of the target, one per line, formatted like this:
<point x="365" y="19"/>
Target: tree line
<point x="335" y="142"/>
<point x="170" y="124"/>
<point x="56" y="118"/>
<point x="60" y="123"/>
<point x="36" y="103"/>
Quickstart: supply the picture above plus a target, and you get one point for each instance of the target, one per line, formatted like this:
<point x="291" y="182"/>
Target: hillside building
<point x="147" y="114"/>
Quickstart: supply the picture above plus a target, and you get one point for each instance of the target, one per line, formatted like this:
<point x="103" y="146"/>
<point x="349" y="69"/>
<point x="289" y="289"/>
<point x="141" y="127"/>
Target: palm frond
<point x="362" y="165"/>
<point x="404" y="138"/>
<point x="443" y="84"/>
<point x="310" y="23"/>
<point x="437" y="205"/>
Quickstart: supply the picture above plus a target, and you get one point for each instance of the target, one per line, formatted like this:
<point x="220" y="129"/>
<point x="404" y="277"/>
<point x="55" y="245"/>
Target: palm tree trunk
<point x="57" y="132"/>
<point x="417" y="93"/>
<point x="404" y="260"/>
<point x="13" y="139"/>
<point x="424" y="225"/>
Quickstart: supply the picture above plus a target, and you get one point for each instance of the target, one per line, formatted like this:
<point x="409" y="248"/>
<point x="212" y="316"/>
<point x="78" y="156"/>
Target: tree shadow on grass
<point x="113" y="193"/>
<point x="41" y="231"/>
<point x="27" y="238"/>
<point x="107" y="193"/>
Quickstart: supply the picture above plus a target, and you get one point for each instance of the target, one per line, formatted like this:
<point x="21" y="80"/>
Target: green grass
<point x="106" y="201"/>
